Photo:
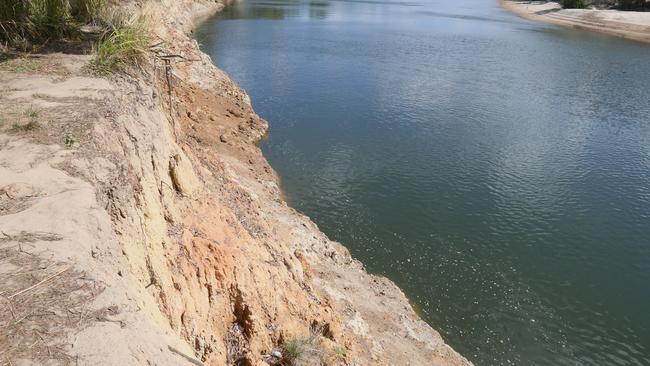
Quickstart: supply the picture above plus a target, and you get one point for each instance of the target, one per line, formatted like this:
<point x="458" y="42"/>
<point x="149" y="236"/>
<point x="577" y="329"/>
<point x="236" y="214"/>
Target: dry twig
<point x="38" y="284"/>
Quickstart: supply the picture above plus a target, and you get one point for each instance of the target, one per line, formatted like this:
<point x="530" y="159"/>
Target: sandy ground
<point x="624" y="24"/>
<point x="66" y="295"/>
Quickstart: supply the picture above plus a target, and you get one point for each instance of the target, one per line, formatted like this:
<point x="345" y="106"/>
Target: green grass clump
<point x="123" y="48"/>
<point x="70" y="141"/>
<point x="24" y="22"/>
<point x="32" y="112"/>
<point x="123" y="42"/>
<point x="29" y="126"/>
<point x="88" y="11"/>
<point x="27" y="66"/>
<point x="307" y="350"/>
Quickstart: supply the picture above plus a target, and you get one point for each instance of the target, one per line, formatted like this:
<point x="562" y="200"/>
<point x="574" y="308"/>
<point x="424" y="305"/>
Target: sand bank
<point x="624" y="24"/>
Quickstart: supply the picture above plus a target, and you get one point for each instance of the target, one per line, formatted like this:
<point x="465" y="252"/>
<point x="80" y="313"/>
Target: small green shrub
<point x="70" y="140"/>
<point x="294" y="349"/>
<point x="125" y="47"/>
<point x="574" y="4"/>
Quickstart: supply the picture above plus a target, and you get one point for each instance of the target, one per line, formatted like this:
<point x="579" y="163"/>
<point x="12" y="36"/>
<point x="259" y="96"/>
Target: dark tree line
<point x="620" y="4"/>
<point x="633" y="4"/>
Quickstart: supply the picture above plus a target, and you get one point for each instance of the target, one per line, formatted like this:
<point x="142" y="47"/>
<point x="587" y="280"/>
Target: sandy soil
<point x="66" y="292"/>
<point x="141" y="225"/>
<point x="624" y="24"/>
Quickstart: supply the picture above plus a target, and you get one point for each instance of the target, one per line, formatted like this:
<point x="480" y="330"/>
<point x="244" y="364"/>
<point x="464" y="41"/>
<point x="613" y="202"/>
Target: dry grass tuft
<point x="40" y="302"/>
<point x="311" y="351"/>
<point x="27" y="22"/>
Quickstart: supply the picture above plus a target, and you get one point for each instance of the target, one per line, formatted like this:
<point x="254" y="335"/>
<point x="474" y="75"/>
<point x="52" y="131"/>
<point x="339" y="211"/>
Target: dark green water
<point x="497" y="169"/>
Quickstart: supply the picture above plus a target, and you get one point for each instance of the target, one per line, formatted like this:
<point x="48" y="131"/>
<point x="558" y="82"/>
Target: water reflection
<point x="497" y="169"/>
<point x="278" y="10"/>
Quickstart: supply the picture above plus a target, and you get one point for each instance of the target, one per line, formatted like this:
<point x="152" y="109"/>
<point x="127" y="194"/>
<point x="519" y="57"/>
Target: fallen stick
<point x="188" y="358"/>
<point x="49" y="352"/>
<point x="38" y="284"/>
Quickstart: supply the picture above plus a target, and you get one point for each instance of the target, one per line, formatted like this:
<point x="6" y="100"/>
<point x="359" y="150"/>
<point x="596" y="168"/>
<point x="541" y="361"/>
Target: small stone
<point x="276" y="354"/>
<point x="113" y="310"/>
<point x="223" y="138"/>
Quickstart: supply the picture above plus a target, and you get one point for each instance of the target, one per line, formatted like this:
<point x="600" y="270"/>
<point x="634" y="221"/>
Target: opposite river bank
<point x="625" y="24"/>
<point x="495" y="168"/>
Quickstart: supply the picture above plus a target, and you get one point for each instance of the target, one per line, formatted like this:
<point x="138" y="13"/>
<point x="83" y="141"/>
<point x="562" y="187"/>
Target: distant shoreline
<point x="624" y="24"/>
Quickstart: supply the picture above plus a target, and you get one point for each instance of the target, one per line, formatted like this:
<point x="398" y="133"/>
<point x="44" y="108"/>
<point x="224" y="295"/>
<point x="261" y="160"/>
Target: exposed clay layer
<point x="169" y="221"/>
<point x="624" y="24"/>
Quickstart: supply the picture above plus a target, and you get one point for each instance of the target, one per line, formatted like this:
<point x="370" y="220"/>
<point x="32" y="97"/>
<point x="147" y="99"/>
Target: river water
<point x="498" y="170"/>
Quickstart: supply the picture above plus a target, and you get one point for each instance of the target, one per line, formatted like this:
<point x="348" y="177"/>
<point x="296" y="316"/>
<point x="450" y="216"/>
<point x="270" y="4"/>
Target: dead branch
<point x="49" y="352"/>
<point x="188" y="358"/>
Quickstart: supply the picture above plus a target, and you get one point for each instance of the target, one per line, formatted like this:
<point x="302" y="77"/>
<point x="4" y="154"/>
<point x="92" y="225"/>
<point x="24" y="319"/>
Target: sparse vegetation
<point x="29" y="126"/>
<point x="24" y="63"/>
<point x="70" y="141"/>
<point x="310" y="351"/>
<point x="32" y="113"/>
<point x="122" y="41"/>
<point x="89" y="11"/>
<point x="27" y="22"/>
<point x="338" y="353"/>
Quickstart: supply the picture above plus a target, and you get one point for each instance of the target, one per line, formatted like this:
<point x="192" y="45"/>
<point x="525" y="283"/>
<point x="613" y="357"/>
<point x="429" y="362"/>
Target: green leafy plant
<point x="70" y="141"/>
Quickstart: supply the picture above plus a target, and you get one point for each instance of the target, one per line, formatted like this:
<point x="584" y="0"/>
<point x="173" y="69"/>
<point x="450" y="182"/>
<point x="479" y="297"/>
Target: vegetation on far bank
<point x="619" y="4"/>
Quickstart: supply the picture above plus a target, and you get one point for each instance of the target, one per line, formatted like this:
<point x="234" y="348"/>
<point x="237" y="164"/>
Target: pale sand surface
<point x="625" y="24"/>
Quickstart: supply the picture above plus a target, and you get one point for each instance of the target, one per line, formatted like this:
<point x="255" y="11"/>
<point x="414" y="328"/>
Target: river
<point x="497" y="169"/>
